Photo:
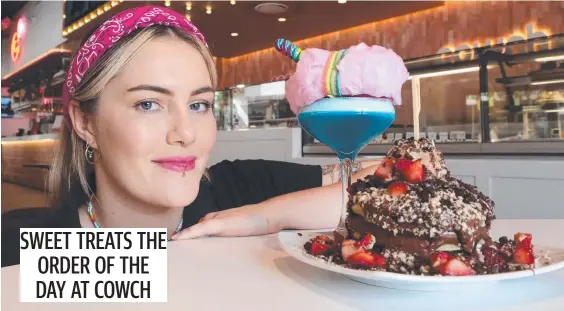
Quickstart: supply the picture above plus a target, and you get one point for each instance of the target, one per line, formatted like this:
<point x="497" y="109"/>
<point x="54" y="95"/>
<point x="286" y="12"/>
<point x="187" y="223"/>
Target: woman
<point x="139" y="133"/>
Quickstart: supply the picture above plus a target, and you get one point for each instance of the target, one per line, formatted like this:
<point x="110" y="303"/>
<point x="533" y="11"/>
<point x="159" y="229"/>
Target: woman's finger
<point x="204" y="228"/>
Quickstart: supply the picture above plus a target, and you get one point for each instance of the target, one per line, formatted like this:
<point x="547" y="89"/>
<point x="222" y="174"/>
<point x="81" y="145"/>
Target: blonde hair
<point x="71" y="178"/>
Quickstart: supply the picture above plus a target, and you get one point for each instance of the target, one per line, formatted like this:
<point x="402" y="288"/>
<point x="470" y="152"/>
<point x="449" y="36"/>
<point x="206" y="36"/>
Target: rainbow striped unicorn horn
<point x="289" y="49"/>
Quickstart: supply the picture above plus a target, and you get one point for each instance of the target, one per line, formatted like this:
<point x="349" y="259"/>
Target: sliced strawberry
<point x="414" y="173"/>
<point x="397" y="188"/>
<point x="384" y="171"/>
<point x="367" y="259"/>
<point x="380" y="261"/>
<point x="350" y="247"/>
<point x="403" y="164"/>
<point x="523" y="239"/>
<point x="321" y="239"/>
<point x="524" y="255"/>
<point x="367" y="241"/>
<point x="318" y="249"/>
<point x="438" y="260"/>
<point x="456" y="267"/>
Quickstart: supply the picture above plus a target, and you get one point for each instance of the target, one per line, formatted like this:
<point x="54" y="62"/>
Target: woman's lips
<point x="177" y="164"/>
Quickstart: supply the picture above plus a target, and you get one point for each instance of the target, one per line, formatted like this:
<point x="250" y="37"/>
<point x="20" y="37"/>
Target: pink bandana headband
<point x="110" y="32"/>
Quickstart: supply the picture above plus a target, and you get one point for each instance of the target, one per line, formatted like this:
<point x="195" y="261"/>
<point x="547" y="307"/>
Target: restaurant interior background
<point x="490" y="76"/>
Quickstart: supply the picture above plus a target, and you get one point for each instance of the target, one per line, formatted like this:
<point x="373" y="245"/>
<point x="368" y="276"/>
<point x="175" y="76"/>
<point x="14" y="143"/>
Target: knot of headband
<point x="113" y="30"/>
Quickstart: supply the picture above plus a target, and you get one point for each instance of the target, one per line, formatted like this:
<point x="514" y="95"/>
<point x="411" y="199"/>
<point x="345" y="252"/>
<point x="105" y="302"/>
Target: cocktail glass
<point x="346" y="125"/>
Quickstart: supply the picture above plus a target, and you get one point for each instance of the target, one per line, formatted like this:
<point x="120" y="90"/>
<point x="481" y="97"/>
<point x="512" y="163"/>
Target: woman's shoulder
<point x="266" y="171"/>
<point x="235" y="166"/>
<point x="238" y="163"/>
<point x="262" y="179"/>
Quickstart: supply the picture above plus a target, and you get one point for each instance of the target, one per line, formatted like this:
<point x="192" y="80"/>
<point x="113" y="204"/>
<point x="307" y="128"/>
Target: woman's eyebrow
<point x="159" y="89"/>
<point x="206" y="89"/>
<point x="153" y="88"/>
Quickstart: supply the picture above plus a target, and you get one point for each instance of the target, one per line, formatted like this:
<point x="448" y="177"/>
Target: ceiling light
<point x="188" y="6"/>
<point x="208" y="9"/>
<point x="548" y="82"/>
<point x="282" y="19"/>
<point x="271" y="8"/>
<point x="342" y="1"/>
<point x="445" y="72"/>
<point x="240" y="86"/>
<point x="21" y="26"/>
<point x="167" y="3"/>
<point x="550" y="58"/>
<point x="232" y="2"/>
<point x="64" y="16"/>
<point x="234" y="34"/>
<point x="188" y="17"/>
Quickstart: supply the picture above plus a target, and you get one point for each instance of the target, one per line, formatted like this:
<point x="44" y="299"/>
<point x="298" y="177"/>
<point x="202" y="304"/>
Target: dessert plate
<point x="293" y="243"/>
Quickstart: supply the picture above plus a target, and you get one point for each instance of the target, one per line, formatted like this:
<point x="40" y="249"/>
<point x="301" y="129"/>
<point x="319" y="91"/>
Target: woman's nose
<point x="182" y="131"/>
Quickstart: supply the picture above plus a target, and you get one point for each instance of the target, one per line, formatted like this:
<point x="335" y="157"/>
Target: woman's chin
<point x="174" y="196"/>
<point x="173" y="202"/>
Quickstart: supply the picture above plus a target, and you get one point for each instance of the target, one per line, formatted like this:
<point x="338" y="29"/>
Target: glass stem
<point x="346" y="175"/>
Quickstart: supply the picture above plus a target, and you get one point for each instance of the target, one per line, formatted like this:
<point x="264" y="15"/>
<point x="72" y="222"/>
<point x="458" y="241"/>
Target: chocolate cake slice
<point x="413" y="204"/>
<point x="413" y="217"/>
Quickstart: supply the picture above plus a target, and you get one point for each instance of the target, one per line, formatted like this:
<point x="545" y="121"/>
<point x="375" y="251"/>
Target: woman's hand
<point x="242" y="221"/>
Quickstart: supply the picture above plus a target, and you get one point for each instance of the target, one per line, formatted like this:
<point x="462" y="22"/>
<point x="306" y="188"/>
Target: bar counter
<point x="26" y="159"/>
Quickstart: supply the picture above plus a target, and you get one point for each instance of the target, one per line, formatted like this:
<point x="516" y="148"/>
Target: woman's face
<point x="154" y="127"/>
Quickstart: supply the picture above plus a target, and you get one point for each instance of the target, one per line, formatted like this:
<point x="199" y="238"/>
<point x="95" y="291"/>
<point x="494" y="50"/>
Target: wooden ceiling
<point x="258" y="31"/>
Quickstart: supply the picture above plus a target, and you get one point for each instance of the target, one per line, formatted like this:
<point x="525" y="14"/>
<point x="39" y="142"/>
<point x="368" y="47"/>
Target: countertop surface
<point x="50" y="136"/>
<point x="253" y="273"/>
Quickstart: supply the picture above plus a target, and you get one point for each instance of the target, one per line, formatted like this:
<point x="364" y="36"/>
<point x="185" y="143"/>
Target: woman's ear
<point x="82" y="124"/>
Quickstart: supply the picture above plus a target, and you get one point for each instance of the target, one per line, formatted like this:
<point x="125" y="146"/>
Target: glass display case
<point x="222" y="110"/>
<point x="253" y="107"/>
<point x="505" y="99"/>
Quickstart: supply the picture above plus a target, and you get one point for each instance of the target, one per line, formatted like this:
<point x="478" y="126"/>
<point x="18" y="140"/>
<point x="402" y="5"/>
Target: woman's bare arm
<point x="307" y="209"/>
<point x="332" y="173"/>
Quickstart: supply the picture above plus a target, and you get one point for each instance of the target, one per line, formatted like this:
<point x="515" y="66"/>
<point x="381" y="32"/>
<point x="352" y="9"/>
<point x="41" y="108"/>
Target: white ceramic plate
<point x="293" y="243"/>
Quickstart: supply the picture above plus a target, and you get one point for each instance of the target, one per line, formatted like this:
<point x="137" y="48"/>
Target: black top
<point x="233" y="184"/>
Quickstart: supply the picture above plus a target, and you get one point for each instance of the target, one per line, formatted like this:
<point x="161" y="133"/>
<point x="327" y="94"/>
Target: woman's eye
<point x="147" y="106"/>
<point x="200" y="106"/>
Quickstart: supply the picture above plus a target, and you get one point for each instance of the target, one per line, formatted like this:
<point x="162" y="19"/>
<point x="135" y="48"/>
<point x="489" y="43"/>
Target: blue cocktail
<point x="343" y="122"/>
<point x="346" y="125"/>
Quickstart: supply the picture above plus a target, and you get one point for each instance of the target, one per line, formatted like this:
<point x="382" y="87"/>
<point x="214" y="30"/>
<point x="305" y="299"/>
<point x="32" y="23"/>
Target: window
<point x="527" y="104"/>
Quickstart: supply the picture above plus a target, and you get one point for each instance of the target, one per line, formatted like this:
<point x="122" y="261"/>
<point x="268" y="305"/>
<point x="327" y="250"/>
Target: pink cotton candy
<point x="365" y="70"/>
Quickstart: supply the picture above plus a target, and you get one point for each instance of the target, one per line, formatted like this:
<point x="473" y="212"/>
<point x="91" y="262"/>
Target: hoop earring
<point x="89" y="154"/>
